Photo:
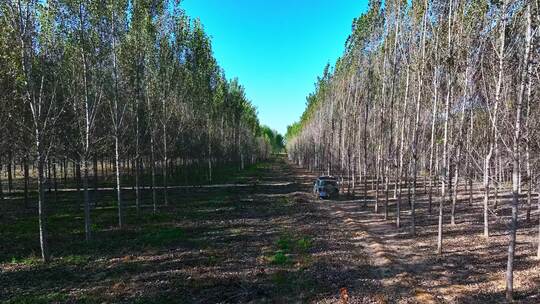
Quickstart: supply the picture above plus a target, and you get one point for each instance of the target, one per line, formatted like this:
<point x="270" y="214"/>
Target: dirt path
<point x="396" y="265"/>
<point x="393" y="263"/>
<point x="407" y="268"/>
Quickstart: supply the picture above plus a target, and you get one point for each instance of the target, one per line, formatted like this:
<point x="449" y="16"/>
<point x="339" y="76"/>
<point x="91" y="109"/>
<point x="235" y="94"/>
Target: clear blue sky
<point x="276" y="48"/>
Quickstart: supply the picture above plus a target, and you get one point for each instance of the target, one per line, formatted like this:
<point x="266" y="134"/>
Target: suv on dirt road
<point x="326" y="187"/>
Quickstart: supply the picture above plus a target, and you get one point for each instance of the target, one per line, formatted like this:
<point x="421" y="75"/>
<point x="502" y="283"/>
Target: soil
<point x="266" y="241"/>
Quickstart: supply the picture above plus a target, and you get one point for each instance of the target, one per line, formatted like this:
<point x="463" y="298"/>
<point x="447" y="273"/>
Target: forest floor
<point x="269" y="242"/>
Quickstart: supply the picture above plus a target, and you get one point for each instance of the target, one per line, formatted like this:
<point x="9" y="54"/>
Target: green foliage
<point x="291" y="243"/>
<point x="291" y="248"/>
<point x="27" y="261"/>
<point x="292" y="131"/>
<point x="364" y="29"/>
<point x="304" y="244"/>
<point x="284" y="201"/>
<point x="274" y="139"/>
<point x="285" y="242"/>
<point x="280" y="258"/>
<point x="158" y="64"/>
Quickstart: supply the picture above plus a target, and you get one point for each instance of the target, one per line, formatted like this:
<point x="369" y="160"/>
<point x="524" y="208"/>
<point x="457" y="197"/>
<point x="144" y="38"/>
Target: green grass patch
<point x="163" y="237"/>
<point x="236" y="231"/>
<point x="297" y="244"/>
<point x="150" y="220"/>
<point x="285" y="242"/>
<point x="20" y="226"/>
<point x="290" y="249"/>
<point x="284" y="201"/>
<point x="27" y="261"/>
<point x="280" y="258"/>
<point x="52" y="297"/>
<point x="304" y="244"/>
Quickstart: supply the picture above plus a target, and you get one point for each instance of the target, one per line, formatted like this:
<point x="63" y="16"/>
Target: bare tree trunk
<point x="458" y="153"/>
<point x="102" y="165"/>
<point x="444" y="174"/>
<point x="95" y="180"/>
<point x="165" y="164"/>
<point x="515" y="158"/>
<point x="353" y="175"/>
<point x="385" y="177"/>
<point x="433" y="119"/>
<point x="55" y="181"/>
<point x="117" y="122"/>
<point x="529" y="182"/>
<point x="1" y="186"/>
<point x="402" y="138"/>
<point x="42" y="207"/>
<point x="408" y="184"/>
<point x="85" y="138"/>
<point x="152" y="150"/>
<point x="445" y="164"/>
<point x="470" y="191"/>
<point x="392" y="101"/>
<point x="417" y="122"/>
<point x="153" y="169"/>
<point x="118" y="185"/>
<point x="78" y="180"/>
<point x="365" y="143"/>
<point x="528" y="145"/>
<point x="486" y="194"/>
<point x="9" y="172"/>
<point x="137" y="155"/>
<point x="467" y="159"/>
<point x="26" y="179"/>
<point x="514" y="220"/>
<point x="87" y="223"/>
<point x="209" y="151"/>
<point x="454" y="194"/>
<point x="493" y="142"/>
<point x="538" y="202"/>
<point x="48" y="176"/>
<point x="495" y="173"/>
<point x="377" y="184"/>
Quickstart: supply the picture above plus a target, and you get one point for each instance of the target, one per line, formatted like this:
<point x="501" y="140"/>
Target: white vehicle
<point x="326" y="187"/>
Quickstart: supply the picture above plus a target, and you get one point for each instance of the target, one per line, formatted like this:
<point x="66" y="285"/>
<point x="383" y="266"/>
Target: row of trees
<point x="444" y="90"/>
<point x="275" y="139"/>
<point x="130" y="83"/>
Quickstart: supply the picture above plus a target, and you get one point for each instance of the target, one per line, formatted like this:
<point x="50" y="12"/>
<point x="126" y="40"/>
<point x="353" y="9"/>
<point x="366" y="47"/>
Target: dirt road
<point x="405" y="268"/>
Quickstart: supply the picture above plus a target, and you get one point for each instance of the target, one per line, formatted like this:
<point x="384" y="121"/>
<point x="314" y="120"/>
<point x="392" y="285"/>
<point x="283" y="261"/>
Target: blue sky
<point x="276" y="48"/>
